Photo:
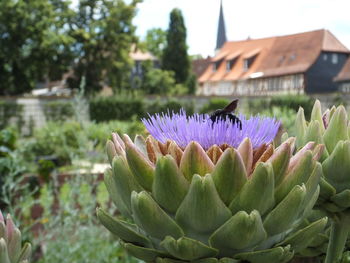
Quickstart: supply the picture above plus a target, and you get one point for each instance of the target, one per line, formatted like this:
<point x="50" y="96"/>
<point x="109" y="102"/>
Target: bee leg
<point x="239" y="123"/>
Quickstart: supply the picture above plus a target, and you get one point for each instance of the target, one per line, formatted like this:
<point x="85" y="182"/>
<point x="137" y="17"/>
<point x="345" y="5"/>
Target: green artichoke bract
<point x="11" y="250"/>
<point x="223" y="204"/>
<point x="332" y="129"/>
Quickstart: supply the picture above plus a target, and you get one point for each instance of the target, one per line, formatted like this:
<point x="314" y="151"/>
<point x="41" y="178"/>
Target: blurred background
<point x="71" y="72"/>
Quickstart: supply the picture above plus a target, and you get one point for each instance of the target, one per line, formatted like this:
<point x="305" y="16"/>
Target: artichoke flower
<point x="11" y="250"/>
<point x="332" y="129"/>
<point x="191" y="196"/>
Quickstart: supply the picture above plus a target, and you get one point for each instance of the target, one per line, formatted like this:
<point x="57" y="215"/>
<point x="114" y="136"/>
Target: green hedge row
<point x="10" y="113"/>
<point x="285" y="102"/>
<point x="113" y="108"/>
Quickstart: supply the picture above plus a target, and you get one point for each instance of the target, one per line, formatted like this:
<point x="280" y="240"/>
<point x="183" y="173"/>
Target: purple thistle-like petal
<point x="198" y="127"/>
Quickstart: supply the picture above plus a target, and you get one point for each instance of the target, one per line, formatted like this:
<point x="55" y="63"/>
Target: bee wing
<point x="232" y="106"/>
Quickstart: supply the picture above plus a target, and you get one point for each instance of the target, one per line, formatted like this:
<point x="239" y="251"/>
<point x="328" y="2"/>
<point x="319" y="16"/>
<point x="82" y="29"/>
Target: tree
<point x="155" y="41"/>
<point x="33" y="43"/>
<point x="104" y="34"/>
<point x="175" y="55"/>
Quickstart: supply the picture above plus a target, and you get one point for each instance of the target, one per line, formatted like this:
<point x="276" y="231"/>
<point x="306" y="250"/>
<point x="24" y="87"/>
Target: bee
<point x="227" y="113"/>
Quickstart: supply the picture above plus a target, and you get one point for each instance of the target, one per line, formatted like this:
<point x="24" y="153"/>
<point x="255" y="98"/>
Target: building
<point x="309" y="62"/>
<point x="343" y="78"/>
<point x="139" y="57"/>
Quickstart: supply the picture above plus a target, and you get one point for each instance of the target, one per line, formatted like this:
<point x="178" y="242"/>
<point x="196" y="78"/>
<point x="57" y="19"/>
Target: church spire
<point x="221" y="36"/>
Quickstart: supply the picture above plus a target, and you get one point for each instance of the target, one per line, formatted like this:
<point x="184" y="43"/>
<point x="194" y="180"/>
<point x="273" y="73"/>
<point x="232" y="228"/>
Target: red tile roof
<point x="200" y="65"/>
<point x="344" y="74"/>
<point x="275" y="56"/>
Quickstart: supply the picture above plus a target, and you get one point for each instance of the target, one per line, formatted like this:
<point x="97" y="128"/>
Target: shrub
<point x="213" y="105"/>
<point x="292" y="102"/>
<point x="10" y="113"/>
<point x="58" y="110"/>
<point x="115" y="108"/>
<point x="171" y="105"/>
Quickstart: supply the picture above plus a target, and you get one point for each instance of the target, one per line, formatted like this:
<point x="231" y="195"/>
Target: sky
<point x="246" y="18"/>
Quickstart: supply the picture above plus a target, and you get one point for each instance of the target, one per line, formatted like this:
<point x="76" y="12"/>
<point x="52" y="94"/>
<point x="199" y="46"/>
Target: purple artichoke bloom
<point x="198" y="127"/>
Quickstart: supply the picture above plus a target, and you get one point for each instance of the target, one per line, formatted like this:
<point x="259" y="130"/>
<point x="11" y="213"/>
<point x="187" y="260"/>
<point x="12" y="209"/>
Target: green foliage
<point x="169" y="105"/>
<point x="286" y="116"/>
<point x="157" y="81"/>
<point x="34" y="44"/>
<point x="104" y="109"/>
<point x="10" y="112"/>
<point x="175" y="55"/>
<point x="287" y="101"/>
<point x="115" y="108"/>
<point x="214" y="104"/>
<point x="56" y="140"/>
<point x="8" y="138"/>
<point x="103" y="34"/>
<point x="58" y="110"/>
<point x="155" y="41"/>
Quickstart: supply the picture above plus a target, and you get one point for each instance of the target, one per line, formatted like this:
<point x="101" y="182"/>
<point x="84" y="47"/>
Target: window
<point x="325" y="57"/>
<point x="229" y="64"/>
<point x="334" y="58"/>
<point x="245" y="65"/>
<point x="214" y="67"/>
<point x="248" y="62"/>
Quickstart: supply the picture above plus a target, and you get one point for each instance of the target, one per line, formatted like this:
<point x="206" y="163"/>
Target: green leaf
<point x="272" y="255"/>
<point x="314" y="132"/>
<point x="169" y="185"/>
<point x="257" y="193"/>
<point x="195" y="161"/>
<point x="284" y="215"/>
<point x="337" y="166"/>
<point x="202" y="210"/>
<point x="3" y="252"/>
<point x="152" y="219"/>
<point x="140" y="166"/>
<point x="167" y="260"/>
<point x="146" y="254"/>
<point x="25" y="253"/>
<point x="140" y="144"/>
<point x="342" y="199"/>
<point x="298" y="175"/>
<point x="110" y="149"/>
<point x="326" y="190"/>
<point x="313" y="182"/>
<point x="316" y="115"/>
<point x="124" y="180"/>
<point x="337" y="129"/>
<point x="187" y="249"/>
<point x="280" y="161"/>
<point x="241" y="231"/>
<point x="229" y="175"/>
<point x="14" y="244"/>
<point x="245" y="150"/>
<point x="114" y="193"/>
<point x="300" y="125"/>
<point x="124" y="230"/>
<point x="303" y="238"/>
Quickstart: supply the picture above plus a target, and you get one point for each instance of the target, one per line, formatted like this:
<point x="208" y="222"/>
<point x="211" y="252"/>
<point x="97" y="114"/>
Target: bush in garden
<point x="169" y="105"/>
<point x="10" y="113"/>
<point x="293" y="102"/>
<point x="213" y="105"/>
<point x="58" y="110"/>
<point x="115" y="108"/>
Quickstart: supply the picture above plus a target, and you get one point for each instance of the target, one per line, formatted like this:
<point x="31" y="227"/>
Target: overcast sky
<point x="253" y="18"/>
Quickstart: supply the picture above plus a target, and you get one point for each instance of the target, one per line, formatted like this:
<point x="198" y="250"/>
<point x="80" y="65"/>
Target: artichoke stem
<point x="339" y="232"/>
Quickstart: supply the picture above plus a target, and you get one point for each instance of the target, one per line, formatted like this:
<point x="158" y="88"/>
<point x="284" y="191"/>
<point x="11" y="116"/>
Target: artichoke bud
<point x="219" y="204"/>
<point x="11" y="250"/>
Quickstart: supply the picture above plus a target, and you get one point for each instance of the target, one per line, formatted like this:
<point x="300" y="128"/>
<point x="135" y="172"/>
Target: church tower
<point x="221" y="36"/>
